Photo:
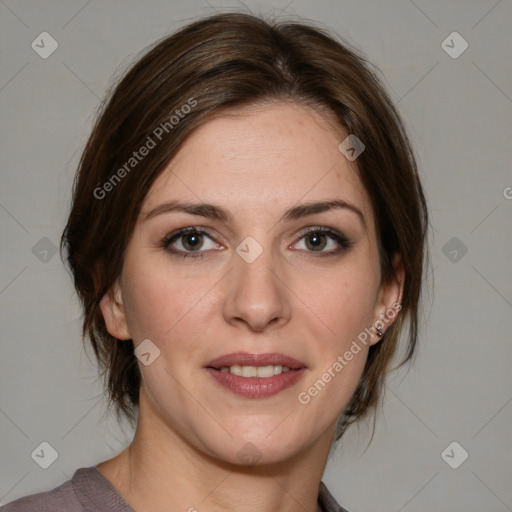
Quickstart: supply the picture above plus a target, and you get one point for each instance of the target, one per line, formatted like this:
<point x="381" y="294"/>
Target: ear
<point x="389" y="299"/>
<point x="113" y="311"/>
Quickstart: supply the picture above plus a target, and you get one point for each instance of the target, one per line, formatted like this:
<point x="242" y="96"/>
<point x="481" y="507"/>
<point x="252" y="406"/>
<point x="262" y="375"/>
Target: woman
<point x="247" y="238"/>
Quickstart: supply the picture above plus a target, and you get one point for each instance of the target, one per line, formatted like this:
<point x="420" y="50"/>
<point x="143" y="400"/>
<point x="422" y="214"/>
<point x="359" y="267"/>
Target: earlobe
<point x="114" y="315"/>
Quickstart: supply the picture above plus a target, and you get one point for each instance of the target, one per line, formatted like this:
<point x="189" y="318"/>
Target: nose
<point x="256" y="293"/>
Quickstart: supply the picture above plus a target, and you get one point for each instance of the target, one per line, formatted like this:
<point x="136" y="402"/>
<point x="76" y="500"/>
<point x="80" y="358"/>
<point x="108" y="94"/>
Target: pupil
<point x="316" y="239"/>
<point x="192" y="240"/>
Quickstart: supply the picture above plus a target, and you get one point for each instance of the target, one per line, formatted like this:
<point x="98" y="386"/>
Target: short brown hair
<point x="221" y="62"/>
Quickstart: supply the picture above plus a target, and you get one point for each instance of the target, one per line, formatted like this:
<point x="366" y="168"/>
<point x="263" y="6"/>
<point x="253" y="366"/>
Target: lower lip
<point x="253" y="387"/>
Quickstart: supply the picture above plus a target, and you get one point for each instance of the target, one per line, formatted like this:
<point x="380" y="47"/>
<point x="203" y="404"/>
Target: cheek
<point x="344" y="309"/>
<point x="342" y="304"/>
<point x="160" y="303"/>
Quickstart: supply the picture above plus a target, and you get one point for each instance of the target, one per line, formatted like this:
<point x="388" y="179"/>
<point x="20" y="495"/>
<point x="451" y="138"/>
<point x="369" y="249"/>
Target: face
<point x="256" y="284"/>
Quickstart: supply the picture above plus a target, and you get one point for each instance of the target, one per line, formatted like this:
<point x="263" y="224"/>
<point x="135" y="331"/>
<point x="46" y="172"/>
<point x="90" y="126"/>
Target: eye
<point x="325" y="241"/>
<point x="193" y="242"/>
<point x="188" y="241"/>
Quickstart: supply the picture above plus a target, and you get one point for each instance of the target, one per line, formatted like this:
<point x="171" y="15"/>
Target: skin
<point x="256" y="163"/>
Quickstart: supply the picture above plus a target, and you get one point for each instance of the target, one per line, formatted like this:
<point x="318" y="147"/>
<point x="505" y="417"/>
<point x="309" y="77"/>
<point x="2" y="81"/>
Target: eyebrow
<point x="212" y="211"/>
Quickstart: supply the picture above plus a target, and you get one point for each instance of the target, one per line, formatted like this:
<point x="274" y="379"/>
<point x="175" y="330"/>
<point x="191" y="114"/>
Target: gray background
<point x="458" y="111"/>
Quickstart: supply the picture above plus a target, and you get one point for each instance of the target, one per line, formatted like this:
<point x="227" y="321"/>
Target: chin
<point x="249" y="446"/>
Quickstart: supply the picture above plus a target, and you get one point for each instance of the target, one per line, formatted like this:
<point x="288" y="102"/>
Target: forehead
<point x="260" y="159"/>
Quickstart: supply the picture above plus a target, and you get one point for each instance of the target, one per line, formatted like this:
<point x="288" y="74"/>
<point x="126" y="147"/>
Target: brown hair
<point x="226" y="61"/>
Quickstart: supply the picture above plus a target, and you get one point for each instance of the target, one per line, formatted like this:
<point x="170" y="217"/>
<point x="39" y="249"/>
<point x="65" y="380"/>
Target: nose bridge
<point x="255" y="264"/>
<point x="256" y="295"/>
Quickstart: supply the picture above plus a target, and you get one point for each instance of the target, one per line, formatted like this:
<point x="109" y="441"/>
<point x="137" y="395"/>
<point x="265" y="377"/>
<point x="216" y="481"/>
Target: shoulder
<point x="62" y="498"/>
<point x="327" y="501"/>
<point x="87" y="491"/>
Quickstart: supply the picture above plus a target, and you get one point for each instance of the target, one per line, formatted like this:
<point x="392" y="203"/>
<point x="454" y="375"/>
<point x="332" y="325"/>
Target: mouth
<point x="256" y="375"/>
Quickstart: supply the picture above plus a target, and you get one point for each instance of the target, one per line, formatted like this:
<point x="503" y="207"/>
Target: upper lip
<point x="248" y="359"/>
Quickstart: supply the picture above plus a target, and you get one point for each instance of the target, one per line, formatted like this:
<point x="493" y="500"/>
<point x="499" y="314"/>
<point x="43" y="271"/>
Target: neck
<point x="160" y="471"/>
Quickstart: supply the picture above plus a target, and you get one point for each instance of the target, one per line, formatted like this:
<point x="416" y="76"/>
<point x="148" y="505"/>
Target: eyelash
<point x="343" y="242"/>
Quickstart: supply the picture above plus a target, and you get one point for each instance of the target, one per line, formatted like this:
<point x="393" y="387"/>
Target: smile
<point x="261" y="372"/>
<point x="256" y="375"/>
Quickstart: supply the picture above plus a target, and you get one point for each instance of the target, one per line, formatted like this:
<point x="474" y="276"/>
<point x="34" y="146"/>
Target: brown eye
<point x="324" y="241"/>
<point x="189" y="242"/>
<point x="192" y="241"/>
<point x="315" y="241"/>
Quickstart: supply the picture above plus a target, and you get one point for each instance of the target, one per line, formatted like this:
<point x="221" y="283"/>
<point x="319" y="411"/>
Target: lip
<point x="254" y="387"/>
<point x="248" y="359"/>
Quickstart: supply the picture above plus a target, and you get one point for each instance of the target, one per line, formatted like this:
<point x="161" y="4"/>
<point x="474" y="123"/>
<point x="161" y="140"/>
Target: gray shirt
<point x="89" y="491"/>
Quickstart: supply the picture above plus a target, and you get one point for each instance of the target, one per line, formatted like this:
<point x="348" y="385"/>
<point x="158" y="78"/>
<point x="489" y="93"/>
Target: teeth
<point x="255" y="371"/>
<point x="249" y="371"/>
